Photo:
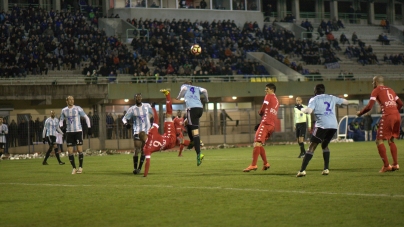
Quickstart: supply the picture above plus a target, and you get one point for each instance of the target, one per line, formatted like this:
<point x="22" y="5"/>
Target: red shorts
<point x="389" y="126"/>
<point x="263" y="132"/>
<point x="156" y="142"/>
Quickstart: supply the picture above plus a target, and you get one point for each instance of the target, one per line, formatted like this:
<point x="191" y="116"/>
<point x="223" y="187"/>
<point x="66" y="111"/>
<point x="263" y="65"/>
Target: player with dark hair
<point x="49" y="133"/>
<point x="3" y="133"/>
<point x="74" y="131"/>
<point x="268" y="112"/>
<point x="192" y="97"/>
<point x="323" y="106"/>
<point x="153" y="140"/>
<point x="389" y="124"/>
<point x="141" y="114"/>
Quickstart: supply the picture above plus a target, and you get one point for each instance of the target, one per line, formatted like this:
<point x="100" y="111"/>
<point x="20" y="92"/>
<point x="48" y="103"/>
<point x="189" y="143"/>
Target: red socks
<point x="256" y="153"/>
<point x="393" y="150"/>
<point x="146" y="167"/>
<point x="169" y="106"/>
<point x="382" y="153"/>
<point x="155" y="116"/>
<point x="263" y="155"/>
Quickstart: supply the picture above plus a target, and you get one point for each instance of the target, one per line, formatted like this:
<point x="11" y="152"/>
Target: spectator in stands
<point x="383" y="23"/>
<point x="320" y="31"/>
<point x="383" y="39"/>
<point x="354" y="38"/>
<point x="387" y="26"/>
<point x="203" y="4"/>
<point x="154" y="5"/>
<point x="343" y="39"/>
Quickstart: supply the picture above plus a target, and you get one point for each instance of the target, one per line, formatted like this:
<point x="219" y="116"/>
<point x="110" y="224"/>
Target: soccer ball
<point x="196" y="49"/>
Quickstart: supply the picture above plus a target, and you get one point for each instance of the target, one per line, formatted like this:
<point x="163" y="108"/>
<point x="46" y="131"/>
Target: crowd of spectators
<point x="34" y="41"/>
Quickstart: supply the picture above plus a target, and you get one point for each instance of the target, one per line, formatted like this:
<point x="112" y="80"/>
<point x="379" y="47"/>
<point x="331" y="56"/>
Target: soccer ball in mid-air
<point x="196" y="49"/>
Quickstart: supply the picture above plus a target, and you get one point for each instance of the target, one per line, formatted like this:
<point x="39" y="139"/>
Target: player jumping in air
<point x="153" y="140"/>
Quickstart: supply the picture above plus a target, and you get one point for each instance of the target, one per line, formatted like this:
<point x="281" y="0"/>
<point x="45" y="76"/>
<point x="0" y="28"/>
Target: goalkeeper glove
<point x="128" y="126"/>
<point x="44" y="140"/>
<point x="89" y="131"/>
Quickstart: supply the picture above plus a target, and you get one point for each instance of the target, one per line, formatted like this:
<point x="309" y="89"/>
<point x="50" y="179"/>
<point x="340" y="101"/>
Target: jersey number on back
<point x="327" y="109"/>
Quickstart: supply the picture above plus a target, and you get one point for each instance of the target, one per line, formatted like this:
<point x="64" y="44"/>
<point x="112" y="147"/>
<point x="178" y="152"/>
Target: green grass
<point x="217" y="193"/>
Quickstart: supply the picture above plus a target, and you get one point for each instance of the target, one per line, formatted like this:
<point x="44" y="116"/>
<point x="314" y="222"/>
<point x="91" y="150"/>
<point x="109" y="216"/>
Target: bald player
<point x="389" y="124"/>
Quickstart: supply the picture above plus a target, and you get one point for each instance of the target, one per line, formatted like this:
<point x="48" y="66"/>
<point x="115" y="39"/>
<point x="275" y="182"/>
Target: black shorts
<point x="74" y="138"/>
<point x="136" y="137"/>
<point x="301" y="129"/>
<point x="321" y="135"/>
<point x="51" y="140"/>
<point x="2" y="145"/>
<point x="193" y="116"/>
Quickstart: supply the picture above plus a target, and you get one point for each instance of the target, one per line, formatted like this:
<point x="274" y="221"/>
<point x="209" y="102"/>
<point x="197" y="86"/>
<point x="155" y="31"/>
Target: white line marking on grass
<point x="218" y="188"/>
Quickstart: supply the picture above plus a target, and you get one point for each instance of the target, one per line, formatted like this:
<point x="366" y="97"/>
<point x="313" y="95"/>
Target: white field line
<point x="220" y="188"/>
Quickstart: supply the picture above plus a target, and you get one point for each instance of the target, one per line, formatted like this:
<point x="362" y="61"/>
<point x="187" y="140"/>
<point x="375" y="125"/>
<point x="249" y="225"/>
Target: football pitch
<point x="217" y="193"/>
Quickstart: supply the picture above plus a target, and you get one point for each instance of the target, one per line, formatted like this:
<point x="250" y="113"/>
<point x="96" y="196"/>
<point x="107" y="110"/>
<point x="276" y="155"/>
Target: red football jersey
<point x="269" y="109"/>
<point x="179" y="124"/>
<point x="156" y="142"/>
<point x="386" y="98"/>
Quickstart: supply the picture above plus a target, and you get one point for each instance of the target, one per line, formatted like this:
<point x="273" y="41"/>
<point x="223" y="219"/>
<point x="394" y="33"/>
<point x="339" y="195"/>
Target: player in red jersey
<point x="268" y="112"/>
<point x="389" y="124"/>
<point x="153" y="140"/>
<point x="179" y="128"/>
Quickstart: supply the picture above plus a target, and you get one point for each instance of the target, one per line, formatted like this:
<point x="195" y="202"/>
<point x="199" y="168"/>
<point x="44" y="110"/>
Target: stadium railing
<point x="126" y="78"/>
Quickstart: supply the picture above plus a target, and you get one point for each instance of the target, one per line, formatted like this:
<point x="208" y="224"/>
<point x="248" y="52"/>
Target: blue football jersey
<point x="192" y="95"/>
<point x="324" y="109"/>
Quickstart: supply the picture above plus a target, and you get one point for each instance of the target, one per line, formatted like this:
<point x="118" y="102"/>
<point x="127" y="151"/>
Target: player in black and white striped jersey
<point x="3" y="133"/>
<point x="50" y="130"/>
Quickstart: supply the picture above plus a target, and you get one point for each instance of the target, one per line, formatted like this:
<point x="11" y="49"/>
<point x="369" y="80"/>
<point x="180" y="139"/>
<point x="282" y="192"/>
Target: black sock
<point x="189" y="132"/>
<point x="326" y="157"/>
<point x="306" y="160"/>
<point x="135" y="160"/>
<point x="302" y="151"/>
<point x="81" y="157"/>
<point x="142" y="157"/>
<point x="197" y="144"/>
<point x="1" y="153"/>
<point x="47" y="154"/>
<point x="71" y="159"/>
<point x="57" y="154"/>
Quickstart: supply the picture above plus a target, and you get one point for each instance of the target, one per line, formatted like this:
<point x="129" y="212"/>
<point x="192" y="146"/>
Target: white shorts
<point x="59" y="138"/>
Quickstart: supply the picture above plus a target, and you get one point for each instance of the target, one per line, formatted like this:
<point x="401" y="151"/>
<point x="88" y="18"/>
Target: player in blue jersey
<point x="50" y="130"/>
<point x="140" y="113"/>
<point x="3" y="133"/>
<point x="74" y="131"/>
<point x="192" y="97"/>
<point x="323" y="106"/>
